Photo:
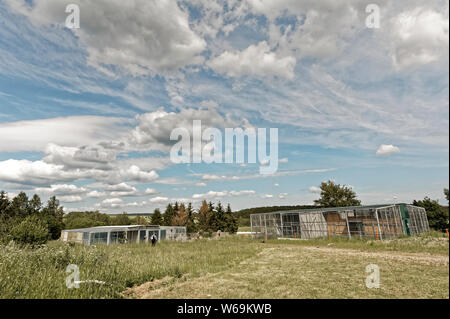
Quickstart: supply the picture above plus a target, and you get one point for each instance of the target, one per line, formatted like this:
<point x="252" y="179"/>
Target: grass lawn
<point x="231" y="268"/>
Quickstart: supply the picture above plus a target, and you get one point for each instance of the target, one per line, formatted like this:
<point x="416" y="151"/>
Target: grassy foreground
<point x="230" y="268"/>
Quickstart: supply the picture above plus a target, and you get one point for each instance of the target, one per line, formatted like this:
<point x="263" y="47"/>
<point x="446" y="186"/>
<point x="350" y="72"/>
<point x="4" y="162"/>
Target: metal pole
<point x="378" y="222"/>
<point x="348" y="226"/>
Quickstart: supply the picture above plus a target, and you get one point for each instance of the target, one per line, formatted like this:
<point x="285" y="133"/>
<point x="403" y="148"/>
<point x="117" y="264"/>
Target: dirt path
<point x="311" y="272"/>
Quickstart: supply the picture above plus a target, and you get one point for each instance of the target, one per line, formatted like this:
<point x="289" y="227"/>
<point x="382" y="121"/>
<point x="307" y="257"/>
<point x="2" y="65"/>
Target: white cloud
<point x="70" y="199"/>
<point x="315" y="189"/>
<point x="61" y="189"/>
<point x="283" y="160"/>
<point x="384" y="150"/>
<point x="200" y="184"/>
<point x="154" y="129"/>
<point x="159" y="200"/>
<point x="158" y="40"/>
<point x="420" y="36"/>
<point x="122" y="189"/>
<point x="151" y="191"/>
<point x="112" y="203"/>
<point x="211" y="177"/>
<point x="215" y="194"/>
<point x="35" y="135"/>
<point x="256" y="60"/>
<point x="95" y="194"/>
<point x="267" y="196"/>
<point x="282" y="195"/>
<point x="38" y="172"/>
<point x="276" y="184"/>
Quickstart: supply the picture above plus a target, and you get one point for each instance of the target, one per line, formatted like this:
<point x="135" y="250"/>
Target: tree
<point x="35" y="204"/>
<point x="53" y="214"/>
<point x="232" y="222"/>
<point x="204" y="215"/>
<point x="122" y="219"/>
<point x="75" y="220"/>
<point x="218" y="219"/>
<point x="436" y="214"/>
<point x="157" y="217"/>
<point x="168" y="215"/>
<point x="31" y="230"/>
<point x="4" y="206"/>
<point x="446" y="193"/>
<point x="335" y="195"/>
<point x="180" y="219"/>
<point x="191" y="225"/>
<point x="19" y="206"/>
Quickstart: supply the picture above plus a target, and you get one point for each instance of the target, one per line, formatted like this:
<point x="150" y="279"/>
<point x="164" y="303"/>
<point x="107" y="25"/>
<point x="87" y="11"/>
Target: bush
<point x="30" y="231"/>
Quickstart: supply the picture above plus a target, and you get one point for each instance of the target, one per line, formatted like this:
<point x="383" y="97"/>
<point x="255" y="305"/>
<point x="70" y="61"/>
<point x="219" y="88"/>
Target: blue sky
<point x="86" y="114"/>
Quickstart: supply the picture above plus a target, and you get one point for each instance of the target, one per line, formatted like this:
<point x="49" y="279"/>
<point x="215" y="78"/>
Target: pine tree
<point x="218" y="219"/>
<point x="232" y="222"/>
<point x="168" y="215"/>
<point x="157" y="218"/>
<point x="191" y="225"/>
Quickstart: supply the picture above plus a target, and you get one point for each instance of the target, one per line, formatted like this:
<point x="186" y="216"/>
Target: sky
<point x="86" y="113"/>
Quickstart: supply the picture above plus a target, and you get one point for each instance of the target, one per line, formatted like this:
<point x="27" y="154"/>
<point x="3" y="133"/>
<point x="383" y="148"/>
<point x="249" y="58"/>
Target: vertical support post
<point x="108" y="238"/>
<point x="348" y="226"/>
<point x="281" y="223"/>
<point x="378" y="222"/>
<point x="251" y="225"/>
<point x="329" y="236"/>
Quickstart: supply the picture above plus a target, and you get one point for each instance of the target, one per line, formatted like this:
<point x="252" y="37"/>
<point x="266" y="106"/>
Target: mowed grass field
<point x="233" y="267"/>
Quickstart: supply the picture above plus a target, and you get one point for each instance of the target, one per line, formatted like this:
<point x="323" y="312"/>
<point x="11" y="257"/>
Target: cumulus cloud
<point x="61" y="189"/>
<point x="256" y="60"/>
<point x="34" y="173"/>
<point x="154" y="129"/>
<point x="95" y="194"/>
<point x="385" y="150"/>
<point x="35" y="135"/>
<point x="70" y="199"/>
<point x="158" y="40"/>
<point x="151" y="191"/>
<point x="420" y="36"/>
<point x="122" y="189"/>
<point x="220" y="194"/>
<point x="314" y="189"/>
<point x="111" y="203"/>
<point x="282" y="195"/>
<point x="159" y="200"/>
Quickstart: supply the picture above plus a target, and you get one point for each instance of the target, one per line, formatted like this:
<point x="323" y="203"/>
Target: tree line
<point x="28" y="221"/>
<point x="207" y="219"/>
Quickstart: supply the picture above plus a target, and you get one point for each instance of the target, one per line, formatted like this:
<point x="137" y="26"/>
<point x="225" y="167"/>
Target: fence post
<point x="447" y="233"/>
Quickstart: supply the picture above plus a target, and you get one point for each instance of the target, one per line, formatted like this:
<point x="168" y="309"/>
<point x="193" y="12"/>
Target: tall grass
<point x="432" y="242"/>
<point x="41" y="272"/>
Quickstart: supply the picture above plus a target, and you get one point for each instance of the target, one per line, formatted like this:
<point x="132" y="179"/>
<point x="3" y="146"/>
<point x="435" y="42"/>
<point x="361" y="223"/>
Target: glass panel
<point x="142" y="236"/>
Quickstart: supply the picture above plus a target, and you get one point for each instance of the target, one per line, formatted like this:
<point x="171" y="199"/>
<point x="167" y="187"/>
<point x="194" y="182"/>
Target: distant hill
<point x="243" y="215"/>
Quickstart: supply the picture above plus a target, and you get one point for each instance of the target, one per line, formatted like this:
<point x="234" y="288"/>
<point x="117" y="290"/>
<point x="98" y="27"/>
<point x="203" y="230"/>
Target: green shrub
<point x="30" y="231"/>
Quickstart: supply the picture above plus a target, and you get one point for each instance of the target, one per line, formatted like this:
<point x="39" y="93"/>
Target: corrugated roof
<point x="328" y="209"/>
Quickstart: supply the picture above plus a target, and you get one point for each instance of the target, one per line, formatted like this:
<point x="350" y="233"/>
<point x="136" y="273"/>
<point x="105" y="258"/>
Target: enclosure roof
<point x="330" y="209"/>
<point x="111" y="228"/>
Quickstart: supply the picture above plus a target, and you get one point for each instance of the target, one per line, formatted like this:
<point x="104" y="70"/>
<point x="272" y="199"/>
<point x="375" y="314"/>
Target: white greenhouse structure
<point x="123" y="234"/>
<point x="376" y="221"/>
